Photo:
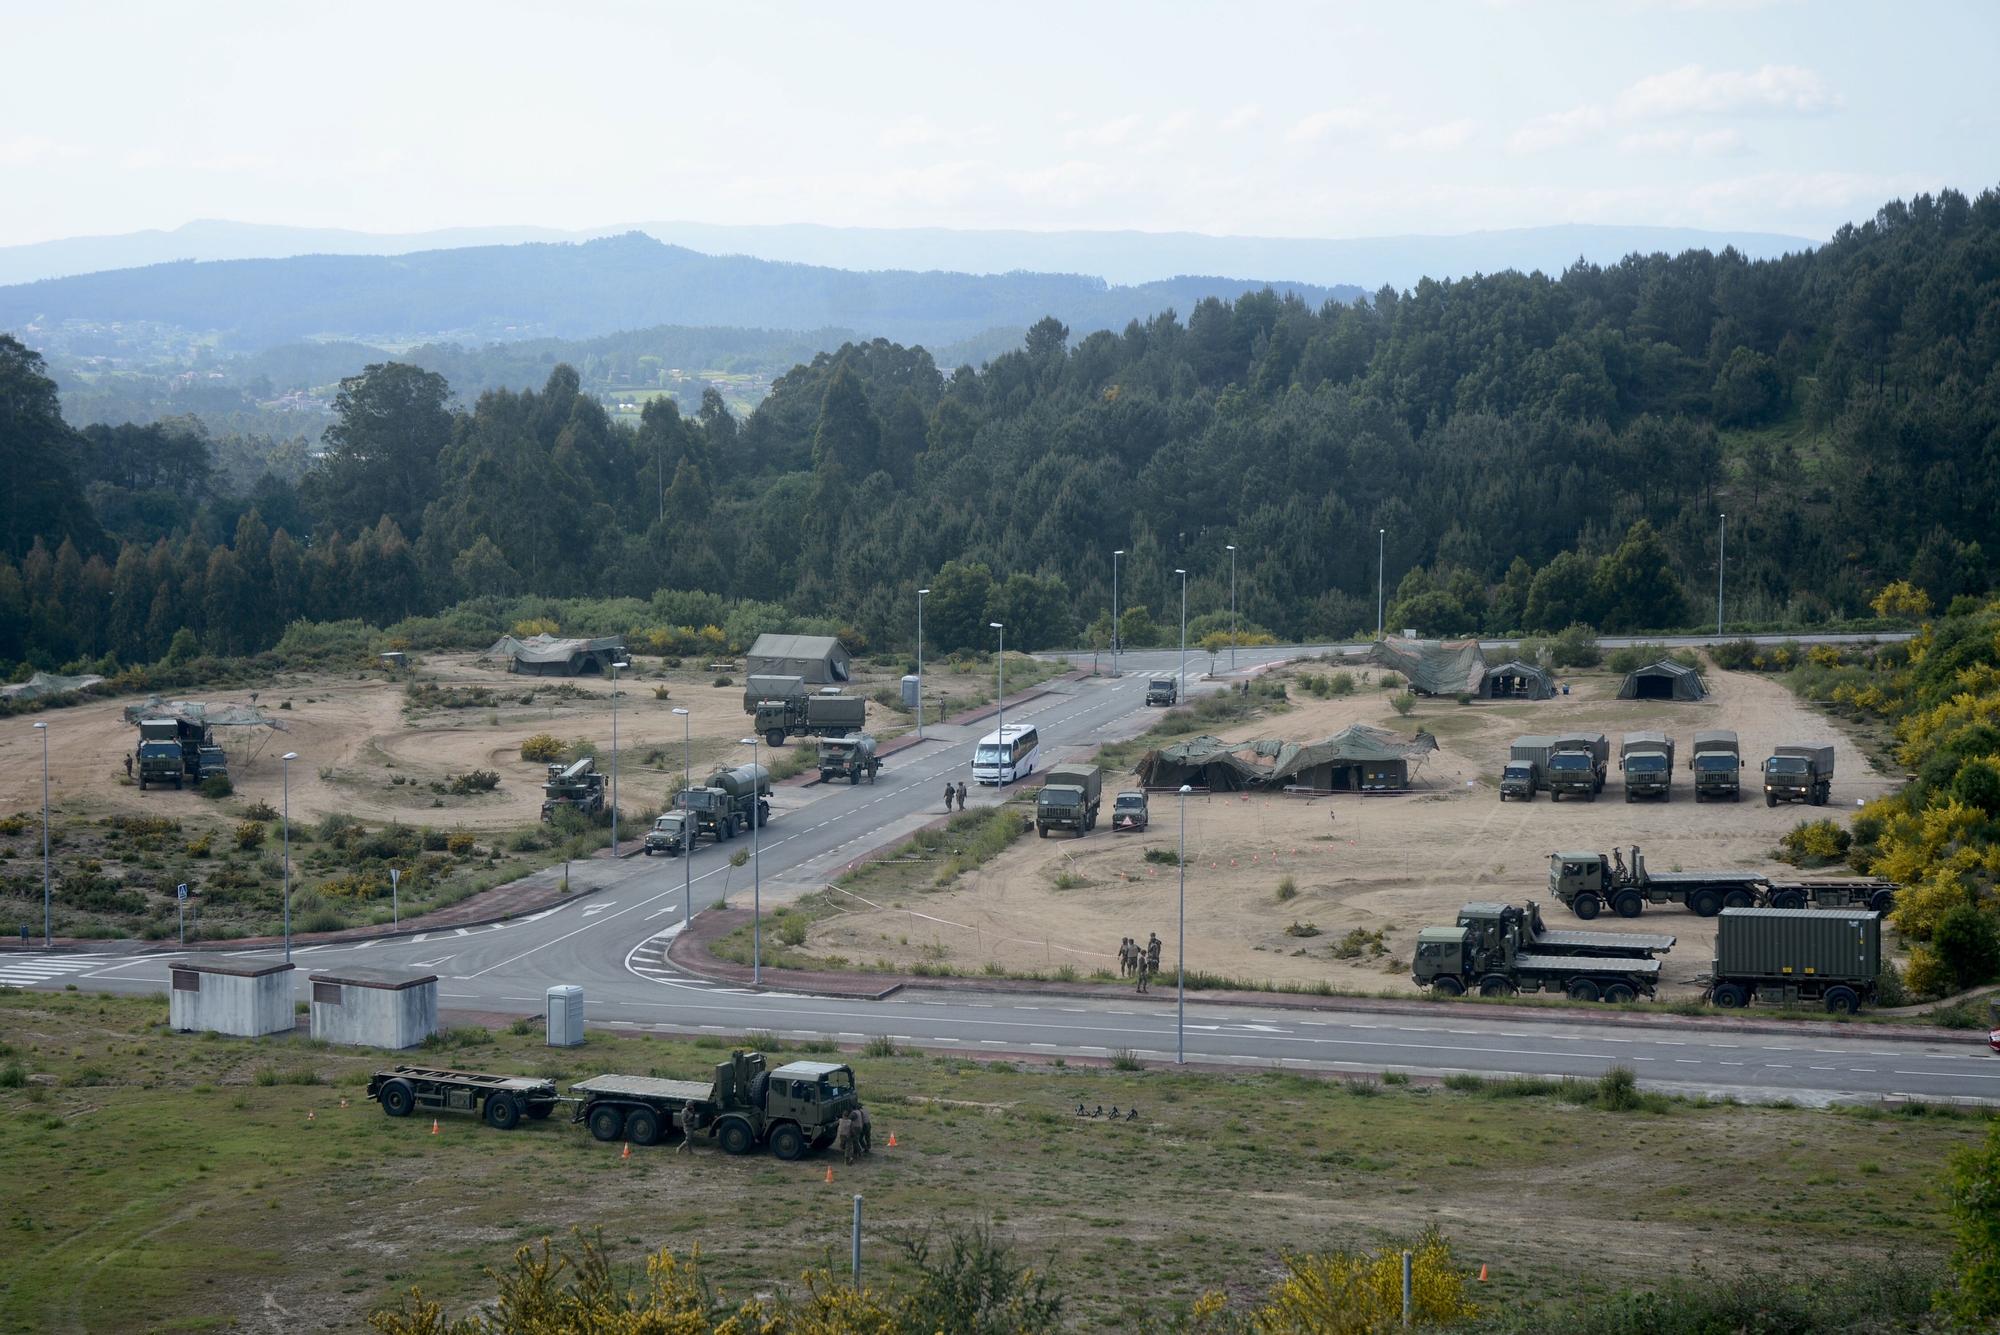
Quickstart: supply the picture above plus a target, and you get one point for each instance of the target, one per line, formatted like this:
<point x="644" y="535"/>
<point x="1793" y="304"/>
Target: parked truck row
<point x="1590" y="882"/>
<point x="1573" y="765"/>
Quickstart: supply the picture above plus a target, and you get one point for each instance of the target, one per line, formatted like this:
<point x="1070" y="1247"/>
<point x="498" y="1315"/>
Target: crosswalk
<point x="649" y="960"/>
<point x="27" y="970"/>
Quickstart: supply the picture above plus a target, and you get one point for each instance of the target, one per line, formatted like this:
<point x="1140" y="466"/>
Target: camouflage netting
<point x="1434" y="667"/>
<point x="45" y="684"/>
<point x="200" y="711"/>
<point x="1340" y="761"/>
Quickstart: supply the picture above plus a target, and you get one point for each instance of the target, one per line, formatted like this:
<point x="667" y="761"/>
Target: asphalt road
<point x="610" y="942"/>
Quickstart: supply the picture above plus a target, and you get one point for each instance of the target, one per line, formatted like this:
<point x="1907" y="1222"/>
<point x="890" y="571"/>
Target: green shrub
<point x="1575" y="646"/>
<point x="1967" y="945"/>
<point x="1734" y="656"/>
<point x="217" y="786"/>
<point x="1403" y="703"/>
<point x="1165" y="856"/>
<point x="249" y="835"/>
<point x="881" y="1045"/>
<point x="1814" y="843"/>
<point x="542" y="748"/>
<point x="260" y="810"/>
<point x="1288" y="887"/>
<point x="473" y="782"/>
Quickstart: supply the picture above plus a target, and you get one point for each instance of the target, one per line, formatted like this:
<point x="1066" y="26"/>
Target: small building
<point x="1515" y="680"/>
<point x="547" y="656"/>
<point x="374" y="1008"/>
<point x="248" y="998"/>
<point x="1664" y="680"/>
<point x="821" y="660"/>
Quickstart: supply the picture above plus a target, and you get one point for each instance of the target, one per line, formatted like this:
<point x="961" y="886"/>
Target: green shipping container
<point x="1798" y="944"/>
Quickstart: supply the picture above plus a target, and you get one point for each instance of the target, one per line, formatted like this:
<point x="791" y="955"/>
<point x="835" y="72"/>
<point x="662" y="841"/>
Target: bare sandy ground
<point x="1387" y="864"/>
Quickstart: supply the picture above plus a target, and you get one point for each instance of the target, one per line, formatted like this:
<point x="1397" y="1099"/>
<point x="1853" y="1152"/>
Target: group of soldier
<point x="853" y="1136"/>
<point x="950" y="793"/>
<point x="1140" y="962"/>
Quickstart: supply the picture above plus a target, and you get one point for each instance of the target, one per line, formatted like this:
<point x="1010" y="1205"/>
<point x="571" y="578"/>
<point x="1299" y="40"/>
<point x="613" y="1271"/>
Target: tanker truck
<point x="726" y="802"/>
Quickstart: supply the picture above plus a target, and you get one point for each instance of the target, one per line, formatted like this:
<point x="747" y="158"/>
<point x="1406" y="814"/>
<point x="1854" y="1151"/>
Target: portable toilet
<point x="910" y="683"/>
<point x="565" y="1002"/>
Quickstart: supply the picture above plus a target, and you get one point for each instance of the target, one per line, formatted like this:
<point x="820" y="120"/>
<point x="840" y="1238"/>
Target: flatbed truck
<point x="1452" y="961"/>
<point x="1496" y="921"/>
<point x="503" y="1100"/>
<point x="793" y="1109"/>
<point x="1590" y="882"/>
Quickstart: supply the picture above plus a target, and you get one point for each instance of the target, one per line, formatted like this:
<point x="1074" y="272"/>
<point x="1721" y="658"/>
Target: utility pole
<point x="1721" y="543"/>
<point x="1114" y="609"/>
<point x="1232" y="607"/>
<point x="920" y="661"/>
<point x="1381" y="549"/>
<point x="1181" y="694"/>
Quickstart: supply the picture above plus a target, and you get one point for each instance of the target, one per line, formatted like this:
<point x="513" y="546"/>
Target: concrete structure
<point x="820" y="659"/>
<point x="374" y="1008"/>
<point x="565" y="1003"/>
<point x="247" y="998"/>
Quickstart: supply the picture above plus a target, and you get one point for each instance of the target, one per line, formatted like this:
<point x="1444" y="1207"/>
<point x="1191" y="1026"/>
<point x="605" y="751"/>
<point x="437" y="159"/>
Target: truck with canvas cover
<point x="1798" y="774"/>
<point x="1793" y="956"/>
<point x="1527" y="769"/>
<point x="810" y="716"/>
<point x="1129" y="812"/>
<point x="158" y="759"/>
<point x="793" y="1109"/>
<point x="577" y="785"/>
<point x="1163" y="691"/>
<point x="766" y="688"/>
<point x="213" y="763"/>
<point x="1717" y="762"/>
<point x="1497" y="957"/>
<point x="1589" y="882"/>
<point x="725" y="803"/>
<point x="1576" y="765"/>
<point x="848" y="757"/>
<point x="1069" y="799"/>
<point x="1647" y="760"/>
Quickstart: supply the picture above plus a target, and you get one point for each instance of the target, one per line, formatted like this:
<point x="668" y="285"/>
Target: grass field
<point x="157" y="1180"/>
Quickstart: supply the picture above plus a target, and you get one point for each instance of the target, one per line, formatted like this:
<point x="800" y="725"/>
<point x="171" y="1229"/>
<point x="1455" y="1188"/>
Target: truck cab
<point x="1575" y="772"/>
<point x="1717" y="774"/>
<point x="1162" y="691"/>
<point x="212" y="764"/>
<point x="1519" y="779"/>
<point x="159" y="762"/>
<point x="1573" y="874"/>
<point x="1441" y="955"/>
<point x="1647" y="774"/>
<point x="672" y="834"/>
<point x="1128" y="811"/>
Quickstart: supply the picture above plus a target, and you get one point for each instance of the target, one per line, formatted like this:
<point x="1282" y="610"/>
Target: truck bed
<point x="1607" y="944"/>
<point x="1685" y="878"/>
<point x="1566" y="964"/>
<point x="477" y="1079"/>
<point x="643" y="1087"/>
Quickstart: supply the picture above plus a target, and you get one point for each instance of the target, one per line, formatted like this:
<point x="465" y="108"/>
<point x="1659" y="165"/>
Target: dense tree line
<point x="1528" y="451"/>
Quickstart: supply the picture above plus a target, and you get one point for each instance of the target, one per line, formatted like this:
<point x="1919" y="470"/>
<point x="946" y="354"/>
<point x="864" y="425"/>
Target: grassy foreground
<point x="161" y="1181"/>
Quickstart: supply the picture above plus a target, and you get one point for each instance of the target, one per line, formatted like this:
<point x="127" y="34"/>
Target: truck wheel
<point x="1582" y="989"/>
<point x="1789" y="899"/>
<point x="1730" y="996"/>
<point x="398" y="1098"/>
<point x="1882" y="901"/>
<point x="1629" y="904"/>
<point x="1493" y="985"/>
<point x="606" y="1122"/>
<point x="854" y="778"/>
<point x="1628" y="797"/>
<point x="1448" y="987"/>
<point x="1738" y="899"/>
<point x="734" y="1137"/>
<point x="1769" y="800"/>
<point x="1041" y="830"/>
<point x="1705" y="903"/>
<point x="502" y="1112"/>
<point x="1585" y="906"/>
<point x="787" y="1143"/>
<point x="642" y="1127"/>
<point x="142" y="783"/>
<point x="540" y="1111"/>
<point x="774" y="738"/>
<point x="1618" y="994"/>
<point x="1842" y="1000"/>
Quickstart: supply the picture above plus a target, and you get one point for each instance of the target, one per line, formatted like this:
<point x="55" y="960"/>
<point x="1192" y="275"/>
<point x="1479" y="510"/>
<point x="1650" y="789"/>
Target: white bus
<point x="1007" y="755"/>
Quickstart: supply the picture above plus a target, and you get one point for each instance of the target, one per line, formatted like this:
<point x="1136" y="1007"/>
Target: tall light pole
<point x="1232" y="607"/>
<point x="1381" y="551"/>
<point x="687" y="853"/>
<point x="1114" y="609"/>
<point x="1180" y="967"/>
<point x="920" y="661"/>
<point x="1181" y="693"/>
<point x="43" y="729"/>
<point x="1000" y="662"/>
<point x="614" y="756"/>
<point x="756" y="872"/>
<point x="288" y="758"/>
<point x="1721" y="543"/>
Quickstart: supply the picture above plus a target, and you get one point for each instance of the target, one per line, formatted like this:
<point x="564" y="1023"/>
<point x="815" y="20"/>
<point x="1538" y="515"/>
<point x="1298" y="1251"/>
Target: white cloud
<point x="1440" y="138"/>
<point x="1693" y="90"/>
<point x="1561" y="129"/>
<point x="1336" y="123"/>
<point x="1108" y="134"/>
<point x="918" y="131"/>
<point x="34" y="150"/>
<point x="1242" y="118"/>
<point x="1685" y="143"/>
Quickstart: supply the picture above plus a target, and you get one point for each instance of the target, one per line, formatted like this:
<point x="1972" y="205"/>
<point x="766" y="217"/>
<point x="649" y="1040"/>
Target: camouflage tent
<point x="1664" y="680"/>
<point x="1361" y="759"/>
<point x="1516" y="680"/>
<point x="44" y="685"/>
<point x="1211" y="763"/>
<point x="1434" y="667"/>
<point x="547" y="656"/>
<point x="821" y="660"/>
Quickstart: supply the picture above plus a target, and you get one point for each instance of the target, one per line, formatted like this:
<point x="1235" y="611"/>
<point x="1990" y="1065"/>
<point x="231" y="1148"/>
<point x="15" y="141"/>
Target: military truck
<point x="1497" y="950"/>
<point x="158" y="759"/>
<point x="1789" y="956"/>
<point x="1798" y="774"/>
<point x="577" y="785"/>
<point x="823" y="715"/>
<point x="1069" y="799"/>
<point x="848" y="757"/>
<point x="1647" y="761"/>
<point x="1527" y="769"/>
<point x="792" y="1109"/>
<point x="1128" y="811"/>
<point x="1588" y="882"/>
<point x="723" y="805"/>
<point x="1576" y="765"/>
<point x="211" y="763"/>
<point x="1717" y="763"/>
<point x="1164" y="691"/>
<point x="672" y="834"/>
<point x="501" y="1099"/>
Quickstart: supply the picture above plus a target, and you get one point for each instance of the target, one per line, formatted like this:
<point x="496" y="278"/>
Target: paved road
<point x="612" y="943"/>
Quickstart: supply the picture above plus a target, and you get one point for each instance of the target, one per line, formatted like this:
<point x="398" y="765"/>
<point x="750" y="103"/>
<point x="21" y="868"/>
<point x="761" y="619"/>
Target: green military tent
<point x="1515" y="680"/>
<point x="1664" y="680"/>
<point x="1361" y="759"/>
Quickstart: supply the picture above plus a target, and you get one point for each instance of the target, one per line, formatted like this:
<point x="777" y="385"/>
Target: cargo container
<point x="1787" y="956"/>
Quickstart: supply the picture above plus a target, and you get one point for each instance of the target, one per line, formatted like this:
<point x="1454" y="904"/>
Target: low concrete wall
<point x="374" y="1008"/>
<point x="229" y="996"/>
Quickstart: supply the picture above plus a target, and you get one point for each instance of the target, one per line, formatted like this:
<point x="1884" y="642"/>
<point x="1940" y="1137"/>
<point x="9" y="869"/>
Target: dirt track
<point x="1391" y="864"/>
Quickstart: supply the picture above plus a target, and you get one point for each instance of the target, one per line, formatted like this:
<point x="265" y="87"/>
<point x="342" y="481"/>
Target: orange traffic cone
<point x="628" y="1151"/>
<point x="343" y="1103"/>
<point x="309" y="1114"/>
<point x="829" y="1172"/>
<point x="1482" y="1274"/>
<point x="892" y="1140"/>
<point x="434" y="1126"/>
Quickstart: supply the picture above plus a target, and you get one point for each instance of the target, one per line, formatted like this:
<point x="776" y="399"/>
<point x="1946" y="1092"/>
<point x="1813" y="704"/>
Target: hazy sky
<point x="1280" y="119"/>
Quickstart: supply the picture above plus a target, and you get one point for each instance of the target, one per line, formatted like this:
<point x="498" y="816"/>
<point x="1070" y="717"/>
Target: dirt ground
<point x="1378" y="864"/>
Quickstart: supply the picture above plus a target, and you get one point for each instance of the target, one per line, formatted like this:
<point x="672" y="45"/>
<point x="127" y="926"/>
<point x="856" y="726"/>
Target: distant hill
<point x="579" y="290"/>
<point x="1125" y="257"/>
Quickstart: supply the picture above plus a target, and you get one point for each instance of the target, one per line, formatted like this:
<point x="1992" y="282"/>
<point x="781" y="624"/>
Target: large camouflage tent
<point x="547" y="656"/>
<point x="1211" y="763"/>
<point x="1360" y="759"/>
<point x="1434" y="667"/>
<point x="822" y="660"/>
<point x="1515" y="680"/>
<point x="1664" y="680"/>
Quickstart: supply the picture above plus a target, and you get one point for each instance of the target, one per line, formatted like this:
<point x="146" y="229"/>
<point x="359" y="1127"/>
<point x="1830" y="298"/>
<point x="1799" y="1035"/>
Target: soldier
<point x="1125" y="958"/>
<point x="1142" y="976"/>
<point x="841" y="1130"/>
<point x="947" y="797"/>
<point x="128" y="767"/>
<point x="687" y="1135"/>
<point x="1153" y="952"/>
<point x="853" y="1124"/>
<point x="867" y="1130"/>
<point x="961" y="794"/>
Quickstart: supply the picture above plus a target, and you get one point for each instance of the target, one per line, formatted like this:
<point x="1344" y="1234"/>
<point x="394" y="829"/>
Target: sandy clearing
<point x="1376" y="864"/>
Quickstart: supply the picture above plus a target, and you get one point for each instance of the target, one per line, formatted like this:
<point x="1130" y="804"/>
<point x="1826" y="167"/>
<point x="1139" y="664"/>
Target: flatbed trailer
<point x="1590" y="882"/>
<point x="642" y="1109"/>
<point x="503" y="1100"/>
<point x="1536" y="939"/>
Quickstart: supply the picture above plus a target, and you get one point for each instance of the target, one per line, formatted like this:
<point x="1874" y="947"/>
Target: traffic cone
<point x="434" y="1126"/>
<point x="829" y="1172"/>
<point x="1482" y="1273"/>
<point x="892" y="1140"/>
<point x="343" y="1103"/>
<point x="309" y="1114"/>
<point x="628" y="1151"/>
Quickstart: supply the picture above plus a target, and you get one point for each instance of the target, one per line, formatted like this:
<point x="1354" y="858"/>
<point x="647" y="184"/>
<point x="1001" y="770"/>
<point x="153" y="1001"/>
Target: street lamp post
<point x="756" y="873"/>
<point x="1232" y="607"/>
<point x="1181" y="693"/>
<point x="1721" y="543"/>
<point x="1381" y="550"/>
<point x="1114" y="609"/>
<point x="1180" y="1023"/>
<point x="288" y="758"/>
<point x="47" y="938"/>
<point x="687" y="853"/>
<point x="1000" y="700"/>
<point x="614" y="757"/>
<point x="920" y="661"/>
